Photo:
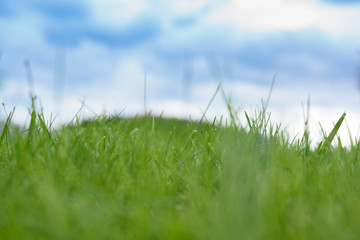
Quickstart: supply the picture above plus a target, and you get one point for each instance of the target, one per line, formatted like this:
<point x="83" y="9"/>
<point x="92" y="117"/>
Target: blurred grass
<point x="156" y="178"/>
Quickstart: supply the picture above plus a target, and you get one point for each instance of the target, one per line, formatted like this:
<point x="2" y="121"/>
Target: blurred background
<point x="102" y="52"/>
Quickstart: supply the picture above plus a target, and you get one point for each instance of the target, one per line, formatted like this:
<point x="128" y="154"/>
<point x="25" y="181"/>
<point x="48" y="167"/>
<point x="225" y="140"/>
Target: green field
<point x="156" y="178"/>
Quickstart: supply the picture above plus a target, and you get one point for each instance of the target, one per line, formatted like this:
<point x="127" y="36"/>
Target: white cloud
<point x="263" y="15"/>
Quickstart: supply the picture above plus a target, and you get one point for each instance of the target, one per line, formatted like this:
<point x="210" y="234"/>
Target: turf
<point x="155" y="178"/>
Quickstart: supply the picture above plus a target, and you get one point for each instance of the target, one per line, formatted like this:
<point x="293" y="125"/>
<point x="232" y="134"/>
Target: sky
<point x="96" y="54"/>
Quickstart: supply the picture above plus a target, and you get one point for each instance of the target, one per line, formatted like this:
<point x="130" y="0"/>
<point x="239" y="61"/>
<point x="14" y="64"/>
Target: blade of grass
<point x="263" y="120"/>
<point x="44" y="127"/>
<point x="32" y="120"/>
<point x="6" y="126"/>
<point x="266" y="104"/>
<point x="209" y="104"/>
<point x="248" y="120"/>
<point x="326" y="144"/>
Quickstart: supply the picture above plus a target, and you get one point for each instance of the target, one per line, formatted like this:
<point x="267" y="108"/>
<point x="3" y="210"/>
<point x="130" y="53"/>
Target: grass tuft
<point x="156" y="178"/>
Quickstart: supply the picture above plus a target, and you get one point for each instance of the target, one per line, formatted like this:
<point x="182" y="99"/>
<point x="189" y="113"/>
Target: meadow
<point x="148" y="177"/>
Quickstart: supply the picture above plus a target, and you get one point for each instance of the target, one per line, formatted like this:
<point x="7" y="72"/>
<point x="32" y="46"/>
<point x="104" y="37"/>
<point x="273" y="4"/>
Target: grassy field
<point x="156" y="178"/>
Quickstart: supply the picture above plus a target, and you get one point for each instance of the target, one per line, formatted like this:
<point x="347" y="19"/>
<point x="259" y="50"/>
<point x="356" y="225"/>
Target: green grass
<point x="157" y="178"/>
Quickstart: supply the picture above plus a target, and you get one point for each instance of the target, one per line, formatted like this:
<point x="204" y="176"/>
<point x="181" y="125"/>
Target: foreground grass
<point x="154" y="178"/>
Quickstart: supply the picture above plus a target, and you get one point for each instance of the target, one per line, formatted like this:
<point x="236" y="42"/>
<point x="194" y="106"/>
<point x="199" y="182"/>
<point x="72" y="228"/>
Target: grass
<point x="156" y="178"/>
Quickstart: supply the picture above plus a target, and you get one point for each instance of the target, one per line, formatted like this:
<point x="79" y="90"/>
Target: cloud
<point x="143" y="29"/>
<point x="305" y="55"/>
<point x="139" y="31"/>
<point x="116" y="23"/>
<point x="260" y="15"/>
<point x="68" y="23"/>
<point x="265" y="15"/>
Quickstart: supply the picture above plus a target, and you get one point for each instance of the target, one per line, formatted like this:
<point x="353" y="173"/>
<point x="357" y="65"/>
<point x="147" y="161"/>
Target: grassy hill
<point x="156" y="178"/>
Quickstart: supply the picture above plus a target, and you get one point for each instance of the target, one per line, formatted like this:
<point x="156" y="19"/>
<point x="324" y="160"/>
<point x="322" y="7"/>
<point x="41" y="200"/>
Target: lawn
<point x="156" y="178"/>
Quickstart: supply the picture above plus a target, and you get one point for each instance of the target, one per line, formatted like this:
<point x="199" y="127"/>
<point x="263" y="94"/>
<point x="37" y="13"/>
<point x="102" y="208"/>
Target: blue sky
<point x="98" y="50"/>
